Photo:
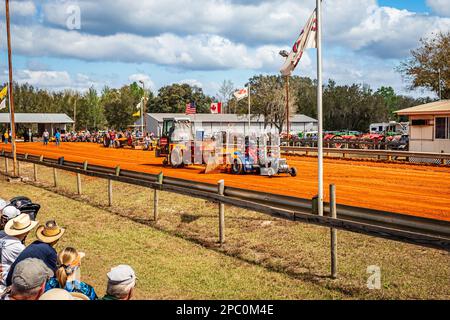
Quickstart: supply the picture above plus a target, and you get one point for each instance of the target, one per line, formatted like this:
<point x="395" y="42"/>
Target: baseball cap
<point x="30" y="273"/>
<point x="10" y="212"/>
<point x="3" y="204"/>
<point x="122" y="274"/>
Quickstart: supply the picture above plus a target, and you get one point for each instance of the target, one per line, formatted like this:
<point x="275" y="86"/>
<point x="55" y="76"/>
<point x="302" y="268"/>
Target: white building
<point x="211" y="123"/>
<point x="429" y="127"/>
<point x="38" y="122"/>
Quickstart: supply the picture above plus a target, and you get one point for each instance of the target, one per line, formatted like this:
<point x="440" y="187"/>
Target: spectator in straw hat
<point x="11" y="245"/>
<point x="67" y="275"/>
<point x="61" y="294"/>
<point x="121" y="283"/>
<point x="28" y="280"/>
<point x="48" y="235"/>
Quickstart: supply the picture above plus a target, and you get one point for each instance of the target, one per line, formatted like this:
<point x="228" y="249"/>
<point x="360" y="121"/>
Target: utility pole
<point x="75" y="115"/>
<point x="11" y="96"/>
<point x="440" y="84"/>
<point x="287" y="108"/>
<point x="143" y="110"/>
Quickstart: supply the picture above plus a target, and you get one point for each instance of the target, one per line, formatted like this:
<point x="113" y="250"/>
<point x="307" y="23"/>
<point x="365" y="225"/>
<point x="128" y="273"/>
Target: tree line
<point x="346" y="107"/>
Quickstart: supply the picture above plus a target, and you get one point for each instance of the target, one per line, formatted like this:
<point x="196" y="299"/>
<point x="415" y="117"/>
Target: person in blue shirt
<point x="48" y="236"/>
<point x="67" y="275"/>
<point x="58" y="137"/>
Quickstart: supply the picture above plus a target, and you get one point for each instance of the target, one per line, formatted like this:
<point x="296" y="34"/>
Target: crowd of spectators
<point x="39" y="272"/>
<point x="113" y="138"/>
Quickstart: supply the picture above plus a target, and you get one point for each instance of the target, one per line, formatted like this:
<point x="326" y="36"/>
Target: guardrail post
<point x="156" y="197"/>
<point x="333" y="232"/>
<point x="110" y="187"/>
<point x="85" y="166"/>
<point x="55" y="178"/>
<point x="315" y="205"/>
<point x="79" y="184"/>
<point x="110" y="192"/>
<point x="221" y="190"/>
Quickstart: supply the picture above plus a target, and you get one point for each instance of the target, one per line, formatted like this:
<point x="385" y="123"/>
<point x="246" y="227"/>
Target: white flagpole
<point x="319" y="105"/>
<point x="249" y="108"/>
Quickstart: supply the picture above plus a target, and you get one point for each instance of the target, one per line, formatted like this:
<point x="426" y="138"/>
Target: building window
<point x="442" y="128"/>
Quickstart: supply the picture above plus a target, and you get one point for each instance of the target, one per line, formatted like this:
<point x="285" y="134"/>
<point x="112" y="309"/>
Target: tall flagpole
<point x="249" y="108"/>
<point x="319" y="105"/>
<point x="11" y="96"/>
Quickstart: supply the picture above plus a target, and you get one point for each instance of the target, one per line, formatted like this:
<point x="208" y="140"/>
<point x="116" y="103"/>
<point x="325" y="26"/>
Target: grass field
<point x="263" y="258"/>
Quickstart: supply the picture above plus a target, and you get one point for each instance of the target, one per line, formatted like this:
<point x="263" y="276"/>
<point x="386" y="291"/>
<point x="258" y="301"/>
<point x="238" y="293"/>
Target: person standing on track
<point x="57" y="137"/>
<point x="6" y="135"/>
<point x="45" y="136"/>
<point x="112" y="138"/>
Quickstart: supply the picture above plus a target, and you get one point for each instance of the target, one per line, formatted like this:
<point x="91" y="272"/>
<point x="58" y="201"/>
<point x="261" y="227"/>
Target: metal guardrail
<point x="393" y="226"/>
<point x="389" y="154"/>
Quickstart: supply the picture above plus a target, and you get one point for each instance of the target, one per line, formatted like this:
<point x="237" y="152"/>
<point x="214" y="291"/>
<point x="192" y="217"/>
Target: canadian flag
<point x="216" y="107"/>
<point x="241" y="94"/>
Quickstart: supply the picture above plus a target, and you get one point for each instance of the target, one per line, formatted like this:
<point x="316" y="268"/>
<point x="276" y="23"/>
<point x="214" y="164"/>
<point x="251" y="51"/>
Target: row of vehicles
<point x="257" y="153"/>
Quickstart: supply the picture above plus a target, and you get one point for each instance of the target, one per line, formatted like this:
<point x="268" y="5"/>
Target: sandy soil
<point x="402" y="188"/>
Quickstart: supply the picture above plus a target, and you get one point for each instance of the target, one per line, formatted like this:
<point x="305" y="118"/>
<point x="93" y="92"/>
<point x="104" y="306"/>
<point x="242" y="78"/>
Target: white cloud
<point x="440" y="7"/>
<point x="390" y="33"/>
<point x="241" y="26"/>
<point x="54" y="80"/>
<point x="19" y="8"/>
<point x="250" y="22"/>
<point x="200" y="52"/>
<point x="149" y="84"/>
<point x="191" y="82"/>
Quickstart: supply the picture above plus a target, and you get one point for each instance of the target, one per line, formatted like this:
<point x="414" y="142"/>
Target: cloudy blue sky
<point x="204" y="42"/>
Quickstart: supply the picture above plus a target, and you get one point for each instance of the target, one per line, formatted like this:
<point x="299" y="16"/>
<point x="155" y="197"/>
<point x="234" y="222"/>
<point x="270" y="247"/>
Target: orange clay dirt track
<point x="403" y="188"/>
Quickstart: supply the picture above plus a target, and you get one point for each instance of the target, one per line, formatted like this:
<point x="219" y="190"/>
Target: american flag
<point x="191" y="108"/>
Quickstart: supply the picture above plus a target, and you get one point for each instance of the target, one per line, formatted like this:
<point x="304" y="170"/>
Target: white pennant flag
<point x="241" y="94"/>
<point x="139" y="105"/>
<point x="306" y="40"/>
<point x="3" y="104"/>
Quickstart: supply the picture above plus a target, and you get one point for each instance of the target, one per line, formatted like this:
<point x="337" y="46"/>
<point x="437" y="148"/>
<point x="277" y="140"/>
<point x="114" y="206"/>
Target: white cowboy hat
<point x="20" y="225"/>
<point x="50" y="232"/>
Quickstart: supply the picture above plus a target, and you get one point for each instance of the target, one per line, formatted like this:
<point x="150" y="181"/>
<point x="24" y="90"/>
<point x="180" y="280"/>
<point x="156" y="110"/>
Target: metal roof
<point x="438" y="107"/>
<point x="59" y="118"/>
<point x="208" y="117"/>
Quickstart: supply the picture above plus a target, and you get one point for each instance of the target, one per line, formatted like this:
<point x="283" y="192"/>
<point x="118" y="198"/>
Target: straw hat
<point x="50" y="232"/>
<point x="19" y="225"/>
<point x="61" y="294"/>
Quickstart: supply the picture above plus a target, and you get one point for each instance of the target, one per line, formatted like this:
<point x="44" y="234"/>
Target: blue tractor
<point x="259" y="160"/>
